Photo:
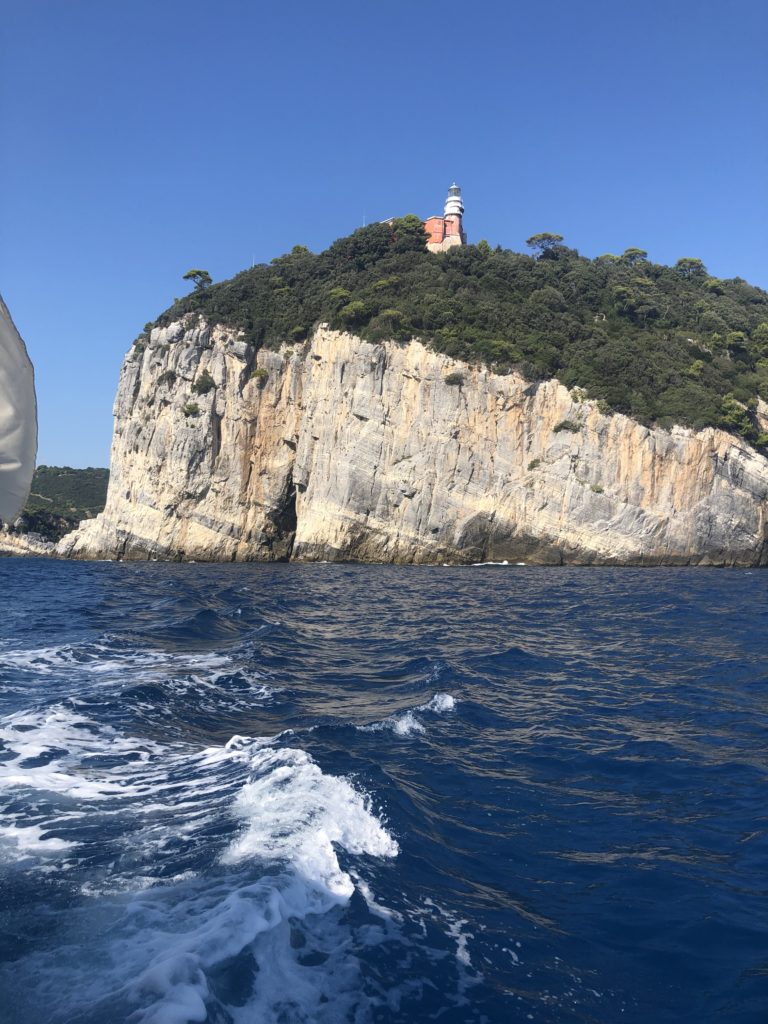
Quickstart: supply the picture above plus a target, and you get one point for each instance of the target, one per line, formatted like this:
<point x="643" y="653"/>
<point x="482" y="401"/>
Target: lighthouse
<point x="447" y="231"/>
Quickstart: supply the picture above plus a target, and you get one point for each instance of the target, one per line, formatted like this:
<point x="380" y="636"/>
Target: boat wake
<point x="126" y="821"/>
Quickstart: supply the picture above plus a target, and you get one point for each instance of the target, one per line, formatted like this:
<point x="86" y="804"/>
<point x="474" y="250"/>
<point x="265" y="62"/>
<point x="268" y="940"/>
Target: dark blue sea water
<point x="329" y="793"/>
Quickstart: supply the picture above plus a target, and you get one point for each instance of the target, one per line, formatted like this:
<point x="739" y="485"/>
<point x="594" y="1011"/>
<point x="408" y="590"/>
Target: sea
<point x="344" y="793"/>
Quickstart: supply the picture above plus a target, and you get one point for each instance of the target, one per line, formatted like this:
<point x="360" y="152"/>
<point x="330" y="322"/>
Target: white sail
<point x="18" y="419"/>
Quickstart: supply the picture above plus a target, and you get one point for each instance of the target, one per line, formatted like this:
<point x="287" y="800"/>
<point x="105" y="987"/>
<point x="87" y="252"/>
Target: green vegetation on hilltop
<point x="662" y="344"/>
<point x="61" y="497"/>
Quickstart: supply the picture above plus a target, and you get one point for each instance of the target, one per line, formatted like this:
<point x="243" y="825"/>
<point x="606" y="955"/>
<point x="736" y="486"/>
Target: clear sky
<point x="144" y="138"/>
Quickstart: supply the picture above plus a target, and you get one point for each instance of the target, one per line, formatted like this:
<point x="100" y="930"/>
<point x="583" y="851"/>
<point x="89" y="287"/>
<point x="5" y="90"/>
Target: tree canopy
<point x="634" y="255"/>
<point x="200" y="278"/>
<point x="545" y="244"/>
<point x="662" y="344"/>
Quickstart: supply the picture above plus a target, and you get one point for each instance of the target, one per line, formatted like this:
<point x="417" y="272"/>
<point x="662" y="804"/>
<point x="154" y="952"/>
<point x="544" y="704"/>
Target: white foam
<point x="105" y="658"/>
<point x="73" y="769"/>
<point x="158" y="932"/>
<point x="31" y="839"/>
<point x="385" y="913"/>
<point x="194" y="680"/>
<point x="99" y="657"/>
<point x="68" y="741"/>
<point x="294" y="813"/>
<point x="406" y="723"/>
<point x="462" y="941"/>
<point x="440" y="703"/>
<point x="456" y="929"/>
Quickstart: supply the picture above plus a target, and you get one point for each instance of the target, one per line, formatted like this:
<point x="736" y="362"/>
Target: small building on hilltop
<point x="447" y="231"/>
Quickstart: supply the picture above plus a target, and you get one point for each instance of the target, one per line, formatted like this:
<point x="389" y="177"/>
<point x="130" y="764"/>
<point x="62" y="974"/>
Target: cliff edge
<point x="391" y="452"/>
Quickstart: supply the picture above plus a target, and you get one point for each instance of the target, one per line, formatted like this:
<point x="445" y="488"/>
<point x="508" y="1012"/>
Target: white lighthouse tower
<point x="454" y="207"/>
<point x="446" y="231"/>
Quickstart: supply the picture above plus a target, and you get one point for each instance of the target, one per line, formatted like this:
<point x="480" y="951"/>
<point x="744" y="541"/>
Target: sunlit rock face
<point x="343" y="449"/>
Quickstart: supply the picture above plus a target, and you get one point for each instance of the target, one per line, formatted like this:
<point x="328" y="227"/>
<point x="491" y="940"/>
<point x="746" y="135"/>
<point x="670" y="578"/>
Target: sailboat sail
<point x="18" y="419"/>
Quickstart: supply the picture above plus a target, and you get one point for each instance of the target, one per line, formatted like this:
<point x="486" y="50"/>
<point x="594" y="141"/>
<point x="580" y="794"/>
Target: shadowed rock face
<point x="351" y="450"/>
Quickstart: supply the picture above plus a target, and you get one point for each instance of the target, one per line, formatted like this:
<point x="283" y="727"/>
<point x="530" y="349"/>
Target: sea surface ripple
<point x="331" y="793"/>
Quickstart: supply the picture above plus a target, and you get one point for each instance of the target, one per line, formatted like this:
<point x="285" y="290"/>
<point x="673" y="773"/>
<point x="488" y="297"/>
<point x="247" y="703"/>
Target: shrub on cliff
<point x="204" y="383"/>
<point x="626" y="330"/>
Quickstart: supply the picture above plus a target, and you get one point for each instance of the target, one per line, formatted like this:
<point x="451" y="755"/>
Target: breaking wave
<point x="406" y="723"/>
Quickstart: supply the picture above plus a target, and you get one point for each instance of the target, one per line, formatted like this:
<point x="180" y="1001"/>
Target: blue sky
<point x="145" y="138"/>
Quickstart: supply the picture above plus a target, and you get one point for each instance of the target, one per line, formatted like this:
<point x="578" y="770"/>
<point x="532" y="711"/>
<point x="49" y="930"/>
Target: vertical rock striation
<point x="344" y="449"/>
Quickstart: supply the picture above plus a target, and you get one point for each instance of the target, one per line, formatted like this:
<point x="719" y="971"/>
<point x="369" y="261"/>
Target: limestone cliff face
<point x="344" y="449"/>
<point x="24" y="544"/>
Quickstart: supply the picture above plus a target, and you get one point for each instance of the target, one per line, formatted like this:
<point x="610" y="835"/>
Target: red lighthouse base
<point x="444" y="232"/>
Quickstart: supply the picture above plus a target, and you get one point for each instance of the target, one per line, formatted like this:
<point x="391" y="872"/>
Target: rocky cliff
<point x="24" y="544"/>
<point x="343" y="449"/>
